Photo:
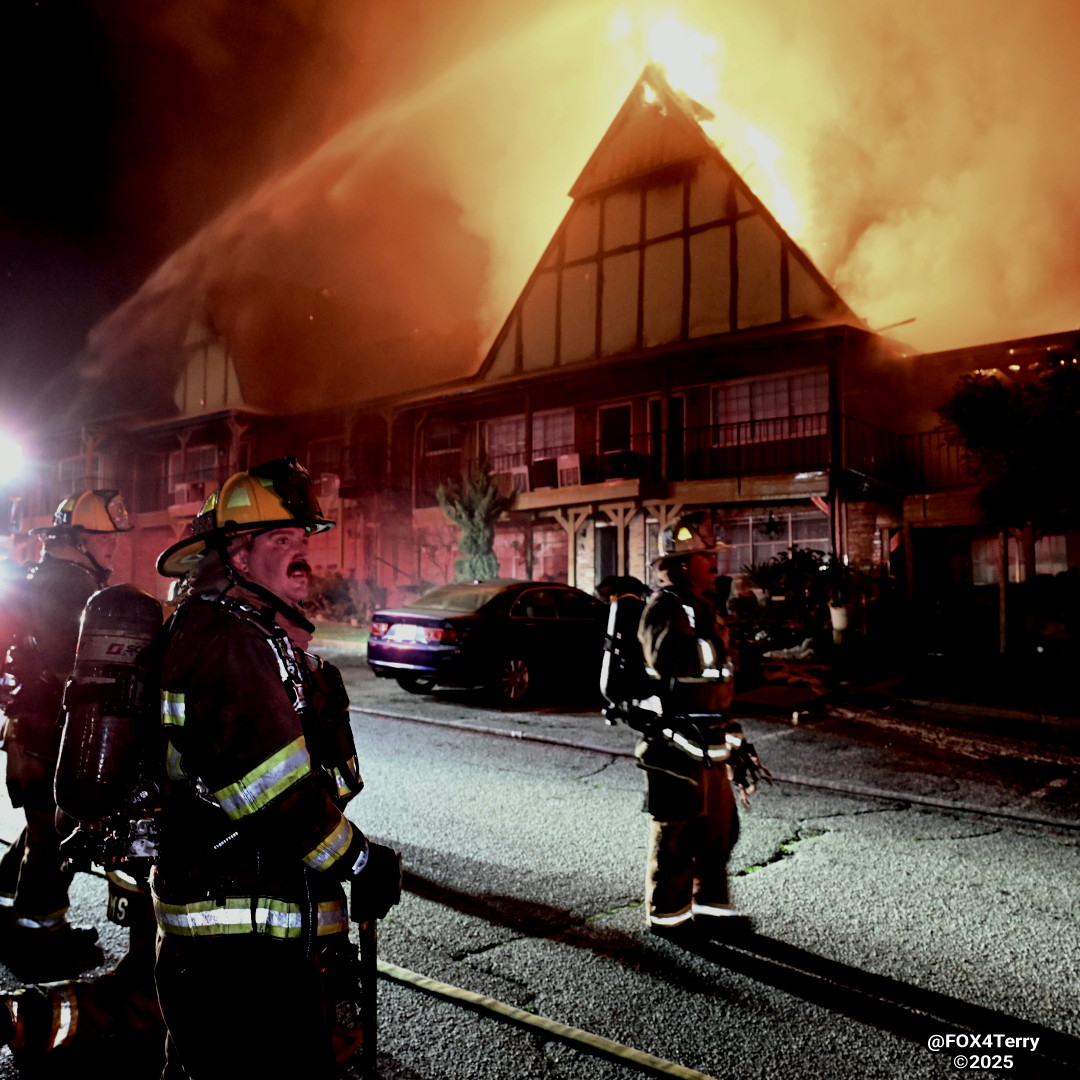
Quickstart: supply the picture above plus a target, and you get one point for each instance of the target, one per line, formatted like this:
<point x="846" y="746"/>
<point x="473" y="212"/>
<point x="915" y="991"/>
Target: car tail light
<point x="379" y="628"/>
<point x="444" y="635"/>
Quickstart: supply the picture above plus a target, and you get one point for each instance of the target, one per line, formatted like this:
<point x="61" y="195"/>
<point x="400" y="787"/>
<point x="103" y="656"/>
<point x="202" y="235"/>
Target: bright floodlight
<point x="11" y="459"/>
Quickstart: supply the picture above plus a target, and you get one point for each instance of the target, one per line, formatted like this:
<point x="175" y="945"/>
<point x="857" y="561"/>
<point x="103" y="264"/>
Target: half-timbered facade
<point x="673" y="348"/>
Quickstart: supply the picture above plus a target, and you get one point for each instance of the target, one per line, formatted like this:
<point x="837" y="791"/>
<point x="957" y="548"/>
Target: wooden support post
<point x="620" y="515"/>
<point x="571" y="519"/>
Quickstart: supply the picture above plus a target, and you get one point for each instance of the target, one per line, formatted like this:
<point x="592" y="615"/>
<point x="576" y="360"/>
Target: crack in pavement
<point x="784" y="850"/>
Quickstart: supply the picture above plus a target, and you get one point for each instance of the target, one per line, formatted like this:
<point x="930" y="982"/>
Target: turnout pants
<point x="31" y="881"/>
<point x="243" y="1005"/>
<point x="691" y="836"/>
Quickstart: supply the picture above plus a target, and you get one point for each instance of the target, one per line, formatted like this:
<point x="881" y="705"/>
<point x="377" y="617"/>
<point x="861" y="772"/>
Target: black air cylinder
<point x="111" y="703"/>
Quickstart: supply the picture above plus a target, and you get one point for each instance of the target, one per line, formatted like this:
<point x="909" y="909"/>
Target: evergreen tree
<point x="474" y="506"/>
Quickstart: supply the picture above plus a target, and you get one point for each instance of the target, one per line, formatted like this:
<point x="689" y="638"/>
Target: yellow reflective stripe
<point x="266" y="781"/>
<point x="331" y="847"/>
<point x="332" y="919"/>
<point x="174" y="763"/>
<point x="238" y="915"/>
<point x="173" y="709"/>
<point x="717" y="752"/>
<point x="343" y="781"/>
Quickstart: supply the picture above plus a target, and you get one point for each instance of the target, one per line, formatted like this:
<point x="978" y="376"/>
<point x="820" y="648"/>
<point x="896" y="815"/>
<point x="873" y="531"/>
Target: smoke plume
<point x="410" y="161"/>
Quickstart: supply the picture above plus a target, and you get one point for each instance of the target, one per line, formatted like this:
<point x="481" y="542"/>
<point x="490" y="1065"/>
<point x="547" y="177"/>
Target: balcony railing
<point x="787" y="444"/>
<point x="932" y="464"/>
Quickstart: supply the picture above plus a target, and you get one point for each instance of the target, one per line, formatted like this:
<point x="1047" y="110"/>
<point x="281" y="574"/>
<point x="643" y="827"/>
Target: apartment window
<point x="504" y="439"/>
<point x="324" y="456"/>
<point x="442" y="436"/>
<point x="193" y="473"/>
<point x="615" y="428"/>
<point x="552" y="432"/>
<point x="676" y="437"/>
<point x="762" y="410"/>
<point x="1050" y="558"/>
<point x="78" y="473"/>
<point x="759" y="537"/>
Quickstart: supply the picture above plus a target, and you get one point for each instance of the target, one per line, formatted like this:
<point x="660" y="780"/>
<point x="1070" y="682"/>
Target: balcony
<point x="931" y="464"/>
<point x="718" y="451"/>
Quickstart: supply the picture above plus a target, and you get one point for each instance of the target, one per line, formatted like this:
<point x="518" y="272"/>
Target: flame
<point x="780" y="201"/>
<point x="686" y="57"/>
<point x="691" y="63"/>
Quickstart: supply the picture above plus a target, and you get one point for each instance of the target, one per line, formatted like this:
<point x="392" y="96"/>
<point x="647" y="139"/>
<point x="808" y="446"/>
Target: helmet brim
<point x="46" y="530"/>
<point x="185" y="555"/>
<point x="714" y="550"/>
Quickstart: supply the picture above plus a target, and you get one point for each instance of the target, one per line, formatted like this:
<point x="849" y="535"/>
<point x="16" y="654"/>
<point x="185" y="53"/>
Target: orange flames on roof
<point x="691" y="63"/>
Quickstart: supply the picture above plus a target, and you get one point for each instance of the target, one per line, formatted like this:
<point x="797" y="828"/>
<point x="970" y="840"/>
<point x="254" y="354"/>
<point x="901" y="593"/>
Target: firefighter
<point x="78" y="552"/>
<point x="691" y="751"/>
<point x="62" y="1026"/>
<point x="254" y="845"/>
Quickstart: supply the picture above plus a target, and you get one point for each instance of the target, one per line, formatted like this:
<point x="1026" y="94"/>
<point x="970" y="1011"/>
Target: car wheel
<point x="513" y="681"/>
<point x="415" y="684"/>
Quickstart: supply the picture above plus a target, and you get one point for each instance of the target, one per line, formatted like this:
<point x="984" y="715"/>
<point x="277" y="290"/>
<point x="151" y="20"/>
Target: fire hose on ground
<point x="551" y="1029"/>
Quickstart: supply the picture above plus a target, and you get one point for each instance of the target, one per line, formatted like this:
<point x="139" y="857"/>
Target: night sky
<point x="407" y="161"/>
<point x="128" y="125"/>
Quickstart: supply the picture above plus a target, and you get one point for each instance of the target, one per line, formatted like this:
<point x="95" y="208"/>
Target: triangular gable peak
<point x="664" y="245"/>
<point x="208" y="381"/>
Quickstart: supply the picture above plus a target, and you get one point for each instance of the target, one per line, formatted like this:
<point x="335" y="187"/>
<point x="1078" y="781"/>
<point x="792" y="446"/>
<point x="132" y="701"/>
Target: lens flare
<point x="11" y="460"/>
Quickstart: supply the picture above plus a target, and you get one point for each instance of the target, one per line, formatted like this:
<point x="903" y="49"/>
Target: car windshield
<point x="458" y="597"/>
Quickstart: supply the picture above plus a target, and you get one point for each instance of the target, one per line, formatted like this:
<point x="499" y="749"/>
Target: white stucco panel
<point x="622" y="218"/>
<point x="538" y="324"/>
<point x="708" y="193"/>
<point x="710" y="282"/>
<point x="578" y="313"/>
<point x="759" y="273"/>
<point x="620" y="303"/>
<point x="663" y="292"/>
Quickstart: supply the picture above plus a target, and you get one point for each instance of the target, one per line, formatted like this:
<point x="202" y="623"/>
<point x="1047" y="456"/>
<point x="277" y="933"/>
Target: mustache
<point x="299" y="564"/>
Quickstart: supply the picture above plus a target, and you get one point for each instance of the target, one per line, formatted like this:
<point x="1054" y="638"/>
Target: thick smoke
<point x="413" y="159"/>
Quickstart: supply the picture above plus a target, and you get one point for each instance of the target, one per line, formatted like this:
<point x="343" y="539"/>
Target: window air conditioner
<point x="569" y="470"/>
<point x="512" y="480"/>
<point x="192" y="491"/>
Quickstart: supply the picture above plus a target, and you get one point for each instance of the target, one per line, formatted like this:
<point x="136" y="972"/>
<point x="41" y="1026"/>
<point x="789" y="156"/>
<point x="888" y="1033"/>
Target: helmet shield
<point x="292" y="485"/>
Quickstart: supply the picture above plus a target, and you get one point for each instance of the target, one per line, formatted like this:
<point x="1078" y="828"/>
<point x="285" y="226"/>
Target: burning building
<point x="673" y="348"/>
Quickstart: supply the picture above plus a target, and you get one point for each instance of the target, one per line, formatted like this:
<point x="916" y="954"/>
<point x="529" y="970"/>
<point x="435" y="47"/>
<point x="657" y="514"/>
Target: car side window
<point x="576" y="605"/>
<point x="535" y="604"/>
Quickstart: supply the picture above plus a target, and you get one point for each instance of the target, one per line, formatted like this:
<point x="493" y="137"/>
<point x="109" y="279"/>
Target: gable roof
<point x="664" y="244"/>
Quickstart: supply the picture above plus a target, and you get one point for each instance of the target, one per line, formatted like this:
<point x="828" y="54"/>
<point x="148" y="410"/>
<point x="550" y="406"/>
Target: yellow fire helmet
<point x="276" y="495"/>
<point x="691" y="534"/>
<point x="97" y="511"/>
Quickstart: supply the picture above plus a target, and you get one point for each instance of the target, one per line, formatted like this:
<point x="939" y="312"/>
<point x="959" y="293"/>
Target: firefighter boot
<point x="42" y="954"/>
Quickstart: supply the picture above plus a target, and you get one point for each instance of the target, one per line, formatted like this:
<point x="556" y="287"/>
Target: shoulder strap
<point x="290" y="667"/>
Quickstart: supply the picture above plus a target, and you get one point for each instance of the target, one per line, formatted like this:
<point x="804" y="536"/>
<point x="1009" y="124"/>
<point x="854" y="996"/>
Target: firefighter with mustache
<point x="255" y="847"/>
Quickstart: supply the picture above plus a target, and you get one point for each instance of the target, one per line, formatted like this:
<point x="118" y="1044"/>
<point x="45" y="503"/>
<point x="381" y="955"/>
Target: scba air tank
<point x="111" y="704"/>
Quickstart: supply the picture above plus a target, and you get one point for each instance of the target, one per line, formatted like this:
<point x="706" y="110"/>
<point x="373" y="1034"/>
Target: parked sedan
<point x="512" y="637"/>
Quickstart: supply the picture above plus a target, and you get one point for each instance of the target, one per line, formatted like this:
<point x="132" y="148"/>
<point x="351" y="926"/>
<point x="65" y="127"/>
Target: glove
<point x="376" y="887"/>
<point x="746" y="771"/>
